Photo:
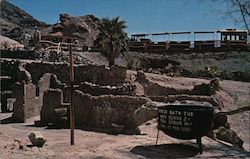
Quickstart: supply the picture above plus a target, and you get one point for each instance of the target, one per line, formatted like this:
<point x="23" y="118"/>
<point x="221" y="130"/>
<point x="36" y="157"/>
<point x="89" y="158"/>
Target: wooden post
<point x="72" y="114"/>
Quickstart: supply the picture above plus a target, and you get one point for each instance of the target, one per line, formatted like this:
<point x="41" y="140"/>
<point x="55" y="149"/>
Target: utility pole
<point x="72" y="114"/>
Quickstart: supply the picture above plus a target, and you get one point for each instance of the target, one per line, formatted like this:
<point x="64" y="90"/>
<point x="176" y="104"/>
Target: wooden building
<point x="57" y="37"/>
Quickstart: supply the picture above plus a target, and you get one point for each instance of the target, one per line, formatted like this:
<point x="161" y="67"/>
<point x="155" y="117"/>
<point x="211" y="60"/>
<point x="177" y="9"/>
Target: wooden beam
<point x="72" y="114"/>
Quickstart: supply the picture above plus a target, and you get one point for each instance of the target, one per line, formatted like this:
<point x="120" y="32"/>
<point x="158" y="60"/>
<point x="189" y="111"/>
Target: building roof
<point x="57" y="34"/>
<point x="232" y="31"/>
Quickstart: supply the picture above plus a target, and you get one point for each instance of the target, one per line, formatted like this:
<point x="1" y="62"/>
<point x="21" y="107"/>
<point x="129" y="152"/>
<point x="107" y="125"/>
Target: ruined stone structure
<point x="93" y="89"/>
<point x="31" y="80"/>
<point x="29" y="98"/>
<point x="90" y="73"/>
<point x="108" y="110"/>
<point x="103" y="111"/>
<point x="5" y="95"/>
<point x="104" y="98"/>
<point x="52" y="100"/>
<point x="100" y="107"/>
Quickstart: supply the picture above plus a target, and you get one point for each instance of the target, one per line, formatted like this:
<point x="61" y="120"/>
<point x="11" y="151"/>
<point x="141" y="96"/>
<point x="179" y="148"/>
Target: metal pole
<point x="72" y="118"/>
<point x="157" y="136"/>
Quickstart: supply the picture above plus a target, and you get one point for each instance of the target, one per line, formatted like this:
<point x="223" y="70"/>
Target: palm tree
<point x="112" y="38"/>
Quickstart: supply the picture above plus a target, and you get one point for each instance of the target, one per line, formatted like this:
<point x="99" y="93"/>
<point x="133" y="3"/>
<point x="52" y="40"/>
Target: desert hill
<point x="13" y="21"/>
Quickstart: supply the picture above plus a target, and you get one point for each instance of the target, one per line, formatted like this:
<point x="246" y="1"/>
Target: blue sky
<point x="142" y="16"/>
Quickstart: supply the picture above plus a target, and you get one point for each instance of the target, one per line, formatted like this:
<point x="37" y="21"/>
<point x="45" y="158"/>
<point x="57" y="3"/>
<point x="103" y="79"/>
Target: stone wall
<point x="107" y="110"/>
<point x="156" y="88"/>
<point x="96" y="90"/>
<point x="90" y="73"/>
<point x="52" y="99"/>
<point x="19" y="54"/>
<point x="101" y="112"/>
<point x="153" y="88"/>
<point x="91" y="88"/>
<point x="8" y="69"/>
<point x="18" y="110"/>
<point x="5" y="95"/>
<point x="29" y="98"/>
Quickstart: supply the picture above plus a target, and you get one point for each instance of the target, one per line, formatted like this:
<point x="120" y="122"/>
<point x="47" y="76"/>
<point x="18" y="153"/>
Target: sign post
<point x="72" y="114"/>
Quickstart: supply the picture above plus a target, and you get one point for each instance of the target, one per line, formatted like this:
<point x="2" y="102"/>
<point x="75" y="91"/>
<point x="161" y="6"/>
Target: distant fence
<point x="61" y="46"/>
<point x="186" y="46"/>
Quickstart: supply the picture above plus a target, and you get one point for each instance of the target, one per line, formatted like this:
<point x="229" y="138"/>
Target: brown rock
<point x="37" y="139"/>
<point x="82" y="27"/>
<point x="229" y="136"/>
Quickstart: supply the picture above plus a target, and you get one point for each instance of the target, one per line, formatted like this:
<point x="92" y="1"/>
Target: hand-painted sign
<point x="185" y="121"/>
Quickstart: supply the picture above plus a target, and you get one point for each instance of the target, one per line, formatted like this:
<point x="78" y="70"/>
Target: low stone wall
<point x="91" y="88"/>
<point x="101" y="111"/>
<point x="18" y="54"/>
<point x="155" y="88"/>
<point x="96" y="90"/>
<point x="108" y="110"/>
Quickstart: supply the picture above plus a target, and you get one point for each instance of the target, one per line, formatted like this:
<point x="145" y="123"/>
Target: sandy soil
<point x="89" y="144"/>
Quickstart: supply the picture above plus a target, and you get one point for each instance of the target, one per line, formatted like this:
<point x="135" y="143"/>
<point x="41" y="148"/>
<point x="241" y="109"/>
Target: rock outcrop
<point x="84" y="28"/>
<point x="229" y="136"/>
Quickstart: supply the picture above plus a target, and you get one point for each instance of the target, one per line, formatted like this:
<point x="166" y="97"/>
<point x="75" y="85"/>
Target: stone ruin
<point x="112" y="100"/>
<point x="28" y="98"/>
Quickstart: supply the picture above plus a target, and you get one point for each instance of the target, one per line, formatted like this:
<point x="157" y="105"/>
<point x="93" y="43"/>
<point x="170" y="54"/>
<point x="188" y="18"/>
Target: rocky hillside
<point x="82" y="27"/>
<point x="13" y="21"/>
<point x="231" y="65"/>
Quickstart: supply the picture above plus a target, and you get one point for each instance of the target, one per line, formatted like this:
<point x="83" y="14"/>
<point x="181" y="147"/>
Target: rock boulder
<point x="37" y="139"/>
<point x="229" y="136"/>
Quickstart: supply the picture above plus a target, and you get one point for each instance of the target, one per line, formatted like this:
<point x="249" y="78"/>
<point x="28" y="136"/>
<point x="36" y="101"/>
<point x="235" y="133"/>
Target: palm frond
<point x="112" y="38"/>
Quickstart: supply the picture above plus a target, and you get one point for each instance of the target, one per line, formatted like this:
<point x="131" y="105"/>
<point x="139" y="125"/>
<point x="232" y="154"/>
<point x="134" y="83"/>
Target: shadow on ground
<point x="166" y="151"/>
<point x="110" y="131"/>
<point x="7" y="120"/>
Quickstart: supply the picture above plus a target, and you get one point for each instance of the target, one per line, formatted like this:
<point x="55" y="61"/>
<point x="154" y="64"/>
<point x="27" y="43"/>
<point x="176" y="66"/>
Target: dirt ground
<point x="89" y="144"/>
